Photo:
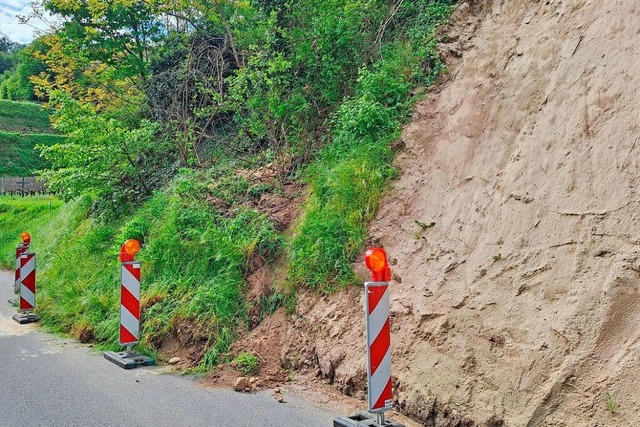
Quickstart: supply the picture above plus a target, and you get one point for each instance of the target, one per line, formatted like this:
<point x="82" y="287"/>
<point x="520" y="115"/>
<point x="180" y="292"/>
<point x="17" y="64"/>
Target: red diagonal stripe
<point x="135" y="272"/>
<point x="24" y="305"/>
<point x="386" y="395"/>
<point x="29" y="282"/>
<point x="126" y="336"/>
<point x="374" y="295"/>
<point x="130" y="302"/>
<point x="380" y="346"/>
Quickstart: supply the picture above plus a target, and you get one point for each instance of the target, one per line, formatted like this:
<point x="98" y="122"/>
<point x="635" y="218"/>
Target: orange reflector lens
<point x="26" y="238"/>
<point x="376" y="260"/>
<point x="131" y="247"/>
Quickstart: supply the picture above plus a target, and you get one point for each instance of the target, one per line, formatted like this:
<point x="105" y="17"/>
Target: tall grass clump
<point x="194" y="261"/>
<point x="349" y="176"/>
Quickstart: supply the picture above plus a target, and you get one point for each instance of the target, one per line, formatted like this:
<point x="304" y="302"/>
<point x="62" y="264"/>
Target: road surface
<point x="49" y="381"/>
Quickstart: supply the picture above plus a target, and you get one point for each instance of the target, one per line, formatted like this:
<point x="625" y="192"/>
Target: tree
<point x="6" y="44"/>
<point x="101" y="155"/>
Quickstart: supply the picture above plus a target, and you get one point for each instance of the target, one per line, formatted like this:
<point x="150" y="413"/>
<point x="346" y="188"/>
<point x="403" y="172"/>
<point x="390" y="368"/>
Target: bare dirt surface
<point x="520" y="306"/>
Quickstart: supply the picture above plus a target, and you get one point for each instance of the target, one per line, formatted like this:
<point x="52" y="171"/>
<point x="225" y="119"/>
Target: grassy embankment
<point x="195" y="257"/>
<point x="23" y="125"/>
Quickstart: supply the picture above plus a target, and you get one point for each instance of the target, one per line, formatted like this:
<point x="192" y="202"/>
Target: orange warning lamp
<point x="26" y="238"/>
<point x="129" y="250"/>
<point x="376" y="260"/>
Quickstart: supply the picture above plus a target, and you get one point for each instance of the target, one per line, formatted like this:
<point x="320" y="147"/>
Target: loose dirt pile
<point x="521" y="306"/>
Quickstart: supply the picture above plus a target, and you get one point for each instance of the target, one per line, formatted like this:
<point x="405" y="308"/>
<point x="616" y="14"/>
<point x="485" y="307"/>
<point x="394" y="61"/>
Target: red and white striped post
<point x="380" y="392"/>
<point x="129" y="309"/>
<point x="27" y="282"/>
<point x="380" y="395"/>
<point x="130" y="304"/>
<point x="27" y="286"/>
<point x="19" y="251"/>
<point x="22" y="248"/>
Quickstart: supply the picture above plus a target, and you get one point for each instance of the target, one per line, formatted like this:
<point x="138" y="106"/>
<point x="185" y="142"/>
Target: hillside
<point x="517" y="308"/>
<point x="23" y="125"/>
<point x="520" y="306"/>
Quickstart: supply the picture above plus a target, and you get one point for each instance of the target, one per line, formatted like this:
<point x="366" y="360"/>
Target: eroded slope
<point x="522" y="303"/>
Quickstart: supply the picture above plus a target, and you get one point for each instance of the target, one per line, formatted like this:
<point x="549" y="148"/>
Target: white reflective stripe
<point x="130" y="282"/>
<point x="28" y="296"/>
<point x="26" y="269"/>
<point x="380" y="379"/>
<point x="129" y="321"/>
<point x="16" y="285"/>
<point x="377" y="319"/>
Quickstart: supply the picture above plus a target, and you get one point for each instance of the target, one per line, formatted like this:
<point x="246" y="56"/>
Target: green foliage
<point x="24" y="117"/>
<point x="348" y="178"/>
<point x="223" y="85"/>
<point x="102" y="155"/>
<point x="423" y="225"/>
<point x="33" y="215"/>
<point x="8" y="60"/>
<point x="15" y="83"/>
<point x="246" y="363"/>
<point x="23" y="126"/>
<point x="194" y="262"/>
<point x="612" y="405"/>
<point x="18" y="153"/>
<point x="118" y="33"/>
<point x="7" y="45"/>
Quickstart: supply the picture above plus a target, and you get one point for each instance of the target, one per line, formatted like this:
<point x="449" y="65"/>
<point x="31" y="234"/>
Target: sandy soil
<point x="520" y="307"/>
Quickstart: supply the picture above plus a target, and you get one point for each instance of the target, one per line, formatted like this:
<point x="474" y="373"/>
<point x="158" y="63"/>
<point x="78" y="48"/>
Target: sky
<point x="9" y="25"/>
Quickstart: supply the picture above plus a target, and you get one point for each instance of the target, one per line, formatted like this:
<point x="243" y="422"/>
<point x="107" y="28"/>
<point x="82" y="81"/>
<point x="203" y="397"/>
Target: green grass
<point x="351" y="173"/>
<point x="19" y="158"/>
<point x="195" y="255"/>
<point x="23" y="125"/>
<point x="24" y="117"/>
<point x="45" y="218"/>
<point x="193" y="265"/>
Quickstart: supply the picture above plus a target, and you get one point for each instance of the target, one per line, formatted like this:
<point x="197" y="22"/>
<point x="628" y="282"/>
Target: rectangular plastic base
<point x="362" y="419"/>
<point x="128" y="360"/>
<point x="23" y="318"/>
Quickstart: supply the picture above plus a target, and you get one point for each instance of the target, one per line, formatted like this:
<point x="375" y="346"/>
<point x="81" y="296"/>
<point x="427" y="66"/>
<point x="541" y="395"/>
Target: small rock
<point x="241" y="384"/>
<point x="174" y="360"/>
<point x="278" y="395"/>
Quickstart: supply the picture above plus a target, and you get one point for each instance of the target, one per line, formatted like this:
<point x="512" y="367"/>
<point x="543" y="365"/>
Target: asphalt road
<point x="49" y="381"/>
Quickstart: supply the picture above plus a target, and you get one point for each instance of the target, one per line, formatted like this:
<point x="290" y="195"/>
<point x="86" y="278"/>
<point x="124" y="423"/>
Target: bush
<point x="349" y="176"/>
<point x="246" y="363"/>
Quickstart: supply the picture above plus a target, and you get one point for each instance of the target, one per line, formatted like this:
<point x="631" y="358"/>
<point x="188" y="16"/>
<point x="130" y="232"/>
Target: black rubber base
<point x="128" y="360"/>
<point x="362" y="419"/>
<point x="23" y="318"/>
